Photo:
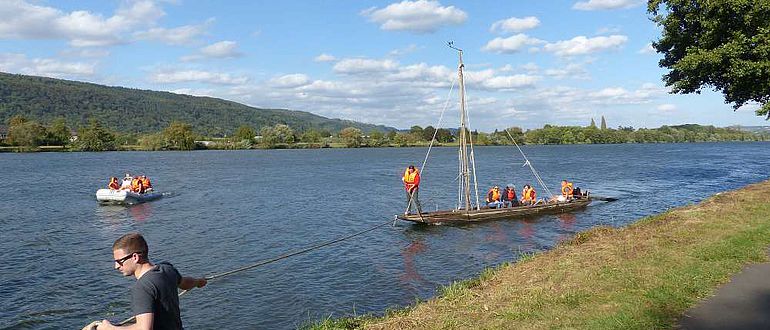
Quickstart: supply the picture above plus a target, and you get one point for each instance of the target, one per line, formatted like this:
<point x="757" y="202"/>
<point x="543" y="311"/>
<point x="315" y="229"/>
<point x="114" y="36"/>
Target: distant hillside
<point x="753" y="129"/>
<point x="134" y="110"/>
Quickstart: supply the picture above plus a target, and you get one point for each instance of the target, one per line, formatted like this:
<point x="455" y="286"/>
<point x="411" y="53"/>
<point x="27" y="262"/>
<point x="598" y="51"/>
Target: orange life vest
<point x="493" y="195"/>
<point x="411" y="179"/>
<point x="511" y="194"/>
<point x="113" y="184"/>
<point x="146" y="183"/>
<point x="566" y="189"/>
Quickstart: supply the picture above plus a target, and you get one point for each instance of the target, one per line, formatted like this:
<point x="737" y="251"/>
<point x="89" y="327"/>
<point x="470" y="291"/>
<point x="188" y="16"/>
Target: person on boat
<point x="509" y="196"/>
<point x="146" y="183"/>
<point x="494" y="198"/>
<point x="529" y="195"/>
<point x="566" y="189"/>
<point x="126" y="185"/>
<point x="154" y="296"/>
<point x="114" y="185"/>
<point x="411" y="181"/>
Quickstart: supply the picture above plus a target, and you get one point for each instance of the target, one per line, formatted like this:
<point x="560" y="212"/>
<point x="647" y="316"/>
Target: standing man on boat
<point x="411" y="181"/>
<point x="154" y="296"/>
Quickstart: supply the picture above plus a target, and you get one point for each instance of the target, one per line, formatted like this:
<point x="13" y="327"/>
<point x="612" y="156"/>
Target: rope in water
<point x="278" y="258"/>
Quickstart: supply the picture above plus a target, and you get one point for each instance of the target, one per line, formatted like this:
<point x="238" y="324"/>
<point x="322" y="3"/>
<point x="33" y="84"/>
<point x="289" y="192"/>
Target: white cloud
<point x="421" y="16"/>
<point x="510" y="82"/>
<point x="515" y="24"/>
<point x="581" y="45"/>
<point x="290" y="81"/>
<point x="22" y="20"/>
<point x="182" y="35"/>
<point x="325" y="58"/>
<point x="195" y="92"/>
<point x="364" y="65"/>
<point x="403" y="51"/>
<point x="511" y="44"/>
<point x="85" y="52"/>
<point x="666" y="107"/>
<point x="19" y="63"/>
<point x="170" y="76"/>
<point x="647" y="49"/>
<point x="222" y="49"/>
<point x="571" y="71"/>
<point x="606" y="4"/>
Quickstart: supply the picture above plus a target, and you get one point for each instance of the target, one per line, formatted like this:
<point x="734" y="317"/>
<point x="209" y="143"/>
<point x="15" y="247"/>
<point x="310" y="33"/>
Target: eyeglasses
<point x="122" y="260"/>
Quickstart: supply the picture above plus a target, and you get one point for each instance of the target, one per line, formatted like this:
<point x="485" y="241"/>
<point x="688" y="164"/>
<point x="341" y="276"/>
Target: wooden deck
<point x="463" y="216"/>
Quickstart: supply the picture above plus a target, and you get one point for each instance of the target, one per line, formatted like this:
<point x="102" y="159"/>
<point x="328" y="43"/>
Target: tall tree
<point x="352" y="137"/>
<point x="245" y="132"/>
<point x="604" y="123"/>
<point x="59" y="133"/>
<point x="180" y="136"/>
<point x="722" y="45"/>
<point x="593" y="123"/>
<point x="95" y="137"/>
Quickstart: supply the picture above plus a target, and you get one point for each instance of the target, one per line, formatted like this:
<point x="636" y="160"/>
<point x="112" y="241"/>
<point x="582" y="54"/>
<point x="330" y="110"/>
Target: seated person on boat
<point x="494" y="198"/>
<point x="566" y="189"/>
<point x="137" y="185"/>
<point x="146" y="183"/>
<point x="114" y="185"/>
<point x="509" y="196"/>
<point x="529" y="195"/>
<point x="126" y="185"/>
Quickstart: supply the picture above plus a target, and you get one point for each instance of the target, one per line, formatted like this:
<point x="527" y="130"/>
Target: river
<point x="226" y="209"/>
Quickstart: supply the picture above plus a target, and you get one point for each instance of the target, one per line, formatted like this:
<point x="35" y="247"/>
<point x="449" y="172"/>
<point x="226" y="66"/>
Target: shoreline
<point x="134" y="148"/>
<point x="643" y="275"/>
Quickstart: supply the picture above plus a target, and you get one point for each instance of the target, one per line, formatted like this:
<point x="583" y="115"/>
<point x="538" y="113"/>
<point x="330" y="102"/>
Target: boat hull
<point x="462" y="216"/>
<point x="109" y="196"/>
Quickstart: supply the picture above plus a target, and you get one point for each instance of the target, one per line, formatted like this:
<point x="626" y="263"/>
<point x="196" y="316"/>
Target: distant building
<point x="3" y="133"/>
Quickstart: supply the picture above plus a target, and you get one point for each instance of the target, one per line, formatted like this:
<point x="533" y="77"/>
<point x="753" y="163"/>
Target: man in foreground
<point x="154" y="297"/>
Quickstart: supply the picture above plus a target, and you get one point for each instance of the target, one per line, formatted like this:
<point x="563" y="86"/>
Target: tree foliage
<point x="245" y="132"/>
<point x="278" y="134"/>
<point x="722" y="45"/>
<point x="95" y="137"/>
<point x="353" y="137"/>
<point x="179" y="136"/>
<point x="129" y="110"/>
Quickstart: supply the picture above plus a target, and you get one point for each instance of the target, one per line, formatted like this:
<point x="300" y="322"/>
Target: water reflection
<point x="411" y="276"/>
<point x="140" y="212"/>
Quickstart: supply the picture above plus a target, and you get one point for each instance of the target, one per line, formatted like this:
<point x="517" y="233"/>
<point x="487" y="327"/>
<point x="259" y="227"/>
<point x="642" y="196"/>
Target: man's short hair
<point x="132" y="243"/>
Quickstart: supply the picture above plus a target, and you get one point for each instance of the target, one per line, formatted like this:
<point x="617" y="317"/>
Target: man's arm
<point x="143" y="322"/>
<point x="188" y="283"/>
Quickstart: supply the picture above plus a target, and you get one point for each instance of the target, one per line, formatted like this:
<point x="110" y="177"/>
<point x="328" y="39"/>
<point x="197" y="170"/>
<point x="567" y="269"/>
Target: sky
<point x="527" y="63"/>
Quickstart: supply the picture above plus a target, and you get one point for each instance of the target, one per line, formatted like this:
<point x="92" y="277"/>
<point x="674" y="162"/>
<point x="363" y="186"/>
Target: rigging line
<point x="281" y="257"/>
<point x="438" y="125"/>
<point x="528" y="163"/>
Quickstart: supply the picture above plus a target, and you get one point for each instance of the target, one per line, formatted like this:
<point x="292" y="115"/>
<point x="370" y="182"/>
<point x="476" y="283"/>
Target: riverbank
<point x="642" y="276"/>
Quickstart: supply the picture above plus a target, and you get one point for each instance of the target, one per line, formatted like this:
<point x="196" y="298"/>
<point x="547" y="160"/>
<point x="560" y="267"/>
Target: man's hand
<point x="92" y="326"/>
<point x="201" y="282"/>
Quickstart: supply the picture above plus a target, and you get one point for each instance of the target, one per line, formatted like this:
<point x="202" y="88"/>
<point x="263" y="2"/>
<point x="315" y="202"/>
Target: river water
<point x="227" y="209"/>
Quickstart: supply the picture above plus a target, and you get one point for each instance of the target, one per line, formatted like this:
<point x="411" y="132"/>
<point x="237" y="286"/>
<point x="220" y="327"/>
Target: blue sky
<point x="528" y="63"/>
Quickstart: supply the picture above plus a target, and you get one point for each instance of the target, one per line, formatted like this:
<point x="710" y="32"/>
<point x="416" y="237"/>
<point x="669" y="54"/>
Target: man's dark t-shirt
<point x="156" y="292"/>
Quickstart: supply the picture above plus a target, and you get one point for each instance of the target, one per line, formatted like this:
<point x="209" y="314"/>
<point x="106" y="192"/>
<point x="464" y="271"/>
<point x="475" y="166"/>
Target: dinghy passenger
<point x="114" y="185"/>
<point x="411" y="181"/>
<point x="154" y="297"/>
<point x="126" y="185"/>
<point x="146" y="183"/>
<point x="509" y="196"/>
<point x="493" y="198"/>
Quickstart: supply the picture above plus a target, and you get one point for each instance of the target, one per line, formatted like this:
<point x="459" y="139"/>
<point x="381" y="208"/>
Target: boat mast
<point x="464" y="168"/>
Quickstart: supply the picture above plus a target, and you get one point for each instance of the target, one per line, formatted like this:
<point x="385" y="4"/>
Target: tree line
<point x="29" y="135"/>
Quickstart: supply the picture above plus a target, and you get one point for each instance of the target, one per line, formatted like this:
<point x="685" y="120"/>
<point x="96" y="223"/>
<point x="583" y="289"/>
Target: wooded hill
<point x="130" y="110"/>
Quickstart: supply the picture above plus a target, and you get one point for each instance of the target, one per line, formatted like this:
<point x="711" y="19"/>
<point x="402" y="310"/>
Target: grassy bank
<point x="642" y="276"/>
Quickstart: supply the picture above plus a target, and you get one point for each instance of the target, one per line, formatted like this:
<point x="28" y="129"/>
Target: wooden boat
<point x="466" y="212"/>
<point x="127" y="197"/>
<point x="476" y="215"/>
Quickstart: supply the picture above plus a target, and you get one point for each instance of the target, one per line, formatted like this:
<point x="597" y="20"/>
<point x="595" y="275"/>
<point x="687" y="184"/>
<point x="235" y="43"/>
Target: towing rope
<point x="278" y="258"/>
